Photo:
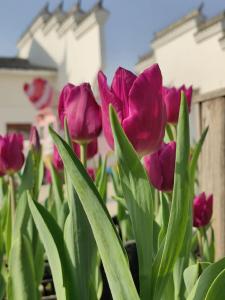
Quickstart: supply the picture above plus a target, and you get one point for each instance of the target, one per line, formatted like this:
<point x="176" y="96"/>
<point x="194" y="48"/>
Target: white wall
<point x="14" y="104"/>
<point x="184" y="60"/>
<point x="77" y="53"/>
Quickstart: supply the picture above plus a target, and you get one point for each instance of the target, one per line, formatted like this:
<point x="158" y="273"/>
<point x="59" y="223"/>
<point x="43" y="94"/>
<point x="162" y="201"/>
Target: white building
<point x="58" y="46"/>
<point x="190" y="51"/>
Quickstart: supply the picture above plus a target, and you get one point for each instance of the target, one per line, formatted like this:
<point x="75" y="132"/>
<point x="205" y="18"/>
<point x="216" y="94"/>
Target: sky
<point x="128" y="31"/>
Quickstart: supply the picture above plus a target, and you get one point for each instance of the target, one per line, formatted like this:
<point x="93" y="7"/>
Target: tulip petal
<point x="108" y="97"/>
<point x="145" y="125"/>
<point x="121" y="85"/>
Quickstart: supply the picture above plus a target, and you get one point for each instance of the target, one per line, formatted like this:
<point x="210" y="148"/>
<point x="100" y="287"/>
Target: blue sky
<point x="129" y="29"/>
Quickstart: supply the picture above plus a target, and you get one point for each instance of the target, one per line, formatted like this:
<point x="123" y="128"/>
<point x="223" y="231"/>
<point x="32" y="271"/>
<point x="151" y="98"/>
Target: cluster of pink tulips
<point x="146" y="125"/>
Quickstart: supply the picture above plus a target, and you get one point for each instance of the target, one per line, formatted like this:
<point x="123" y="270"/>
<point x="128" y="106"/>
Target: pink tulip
<point x="11" y="153"/>
<point x="172" y="98"/>
<point x="92" y="149"/>
<point x="160" y="167"/>
<point x="35" y="139"/>
<point x="139" y="105"/>
<point x="57" y="161"/>
<point x="202" y="210"/>
<point x="78" y="105"/>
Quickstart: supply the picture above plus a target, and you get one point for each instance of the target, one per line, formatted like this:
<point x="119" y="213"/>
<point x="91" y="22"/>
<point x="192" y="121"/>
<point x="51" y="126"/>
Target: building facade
<point x="59" y="46"/>
<point x="190" y="51"/>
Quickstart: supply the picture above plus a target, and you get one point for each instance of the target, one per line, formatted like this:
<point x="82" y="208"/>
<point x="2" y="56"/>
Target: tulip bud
<point x="35" y="140"/>
<point x="172" y="98"/>
<point x="202" y="210"/>
<point x="160" y="167"/>
<point x="11" y="153"/>
<point x="83" y="114"/>
<point x="139" y="106"/>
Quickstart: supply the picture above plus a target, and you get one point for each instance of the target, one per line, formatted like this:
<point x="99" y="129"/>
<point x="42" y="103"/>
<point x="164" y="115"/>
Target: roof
<point x="145" y="56"/>
<point x="194" y="14"/>
<point x="21" y="64"/>
<point x="210" y="22"/>
<point x="202" y="25"/>
<point x="75" y="10"/>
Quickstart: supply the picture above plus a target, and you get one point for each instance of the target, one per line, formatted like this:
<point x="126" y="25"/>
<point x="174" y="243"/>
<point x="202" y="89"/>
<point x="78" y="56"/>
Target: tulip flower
<point x="57" y="161"/>
<point x="160" y="167"/>
<point x="172" y="98"/>
<point x="202" y="210"/>
<point x="92" y="149"/>
<point x="139" y="106"/>
<point x="78" y="105"/>
<point x="11" y="153"/>
<point x="35" y="139"/>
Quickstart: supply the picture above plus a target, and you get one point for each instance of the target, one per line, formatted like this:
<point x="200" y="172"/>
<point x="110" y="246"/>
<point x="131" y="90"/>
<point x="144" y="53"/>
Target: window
<point x="23" y="128"/>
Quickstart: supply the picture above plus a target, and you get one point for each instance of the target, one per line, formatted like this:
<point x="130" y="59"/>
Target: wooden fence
<point x="210" y="110"/>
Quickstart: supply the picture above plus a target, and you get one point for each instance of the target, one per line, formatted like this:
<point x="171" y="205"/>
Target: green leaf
<point x="101" y="180"/>
<point x="179" y="214"/>
<point x="109" y="245"/>
<point x="195" y="155"/>
<point x="52" y="239"/>
<point x="80" y="242"/>
<point x="21" y="270"/>
<point x="138" y="195"/>
<point x="22" y="216"/>
<point x="206" y="280"/>
<point x="28" y="177"/>
<point x="192" y="273"/>
<point x="58" y="197"/>
<point x="217" y="289"/>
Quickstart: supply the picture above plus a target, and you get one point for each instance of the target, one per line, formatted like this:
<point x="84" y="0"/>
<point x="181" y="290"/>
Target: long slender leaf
<point x="179" y="215"/>
<point x="109" y="245"/>
<point x="138" y="196"/>
<point x="21" y="270"/>
<point x="205" y="281"/>
<point x="52" y="238"/>
<point x="217" y="289"/>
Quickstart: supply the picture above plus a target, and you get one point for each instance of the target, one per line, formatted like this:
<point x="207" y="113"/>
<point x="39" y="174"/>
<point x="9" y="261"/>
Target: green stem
<point x="83" y="154"/>
<point x="200" y="244"/>
<point x="12" y="197"/>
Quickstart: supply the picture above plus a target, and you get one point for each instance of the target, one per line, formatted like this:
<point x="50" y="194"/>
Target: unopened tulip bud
<point x="202" y="210"/>
<point x="160" y="167"/>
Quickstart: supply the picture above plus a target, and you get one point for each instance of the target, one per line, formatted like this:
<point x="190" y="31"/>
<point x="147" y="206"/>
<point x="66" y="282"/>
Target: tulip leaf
<point x="21" y="270"/>
<point x="217" y="289"/>
<point x="108" y="242"/>
<point x="52" y="238"/>
<point x="207" y="280"/>
<point x="179" y="214"/>
<point x="80" y="241"/>
<point x="138" y="195"/>
<point x="58" y="197"/>
<point x="192" y="273"/>
<point x="195" y="155"/>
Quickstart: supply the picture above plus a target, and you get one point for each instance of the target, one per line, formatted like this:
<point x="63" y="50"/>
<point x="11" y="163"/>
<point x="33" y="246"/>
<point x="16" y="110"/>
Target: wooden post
<point x="211" y="112"/>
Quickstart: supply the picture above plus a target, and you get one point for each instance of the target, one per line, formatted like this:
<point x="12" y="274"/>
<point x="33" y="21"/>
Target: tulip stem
<point x="12" y="196"/>
<point x="83" y="154"/>
<point x="200" y="244"/>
